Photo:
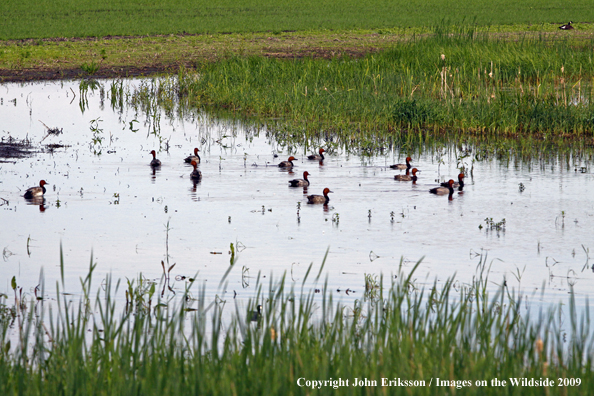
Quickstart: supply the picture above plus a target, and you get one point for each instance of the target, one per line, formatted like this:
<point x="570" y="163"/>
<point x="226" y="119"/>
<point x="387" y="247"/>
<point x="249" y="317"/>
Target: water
<point x="114" y="208"/>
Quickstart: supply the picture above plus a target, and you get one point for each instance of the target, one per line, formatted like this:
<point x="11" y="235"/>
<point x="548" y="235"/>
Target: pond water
<point x="112" y="207"/>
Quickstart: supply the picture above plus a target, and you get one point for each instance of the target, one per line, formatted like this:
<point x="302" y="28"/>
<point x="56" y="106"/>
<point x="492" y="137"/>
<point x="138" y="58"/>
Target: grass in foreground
<point x="454" y="334"/>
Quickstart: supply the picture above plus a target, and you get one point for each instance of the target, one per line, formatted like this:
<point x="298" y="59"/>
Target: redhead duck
<point x="459" y="184"/>
<point x="194" y="157"/>
<point x="288" y="163"/>
<point x="444" y="190"/>
<point x="407" y="177"/>
<point x="300" y="182"/>
<point x="402" y="166"/>
<point x="155" y="162"/>
<point x="317" y="199"/>
<point x="317" y="157"/>
<point x="36" y="192"/>
<point x="196" y="174"/>
<point x="566" y="26"/>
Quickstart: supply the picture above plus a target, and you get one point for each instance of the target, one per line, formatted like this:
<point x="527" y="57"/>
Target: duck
<point x="194" y="157"/>
<point x="300" y="182"/>
<point x="442" y="190"/>
<point x="255" y="316"/>
<point x="567" y="26"/>
<point x="402" y="166"/>
<point x="407" y="177"/>
<point x="36" y="192"/>
<point x="288" y="163"/>
<point x="196" y="174"/>
<point x="319" y="199"/>
<point x="155" y="162"/>
<point x="459" y="184"/>
<point x="317" y="157"/>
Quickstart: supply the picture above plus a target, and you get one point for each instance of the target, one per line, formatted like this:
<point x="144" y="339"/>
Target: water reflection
<point x="262" y="207"/>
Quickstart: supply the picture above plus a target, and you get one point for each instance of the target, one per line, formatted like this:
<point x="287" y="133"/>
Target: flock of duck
<point x="445" y="188"/>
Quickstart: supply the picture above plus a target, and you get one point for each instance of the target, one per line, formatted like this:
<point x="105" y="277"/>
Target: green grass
<point x="84" y="18"/>
<point x="459" y="83"/>
<point x="448" y="331"/>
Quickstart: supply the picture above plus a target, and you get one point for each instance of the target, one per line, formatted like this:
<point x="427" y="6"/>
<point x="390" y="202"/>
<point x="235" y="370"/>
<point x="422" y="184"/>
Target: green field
<point x="84" y="18"/>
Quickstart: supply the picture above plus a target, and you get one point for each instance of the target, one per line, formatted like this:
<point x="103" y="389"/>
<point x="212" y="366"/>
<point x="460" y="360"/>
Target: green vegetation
<point x="452" y="332"/>
<point x="85" y="18"/>
<point x="462" y="84"/>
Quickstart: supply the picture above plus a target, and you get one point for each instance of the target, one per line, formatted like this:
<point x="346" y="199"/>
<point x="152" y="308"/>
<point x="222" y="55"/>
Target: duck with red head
<point x="288" y="163"/>
<point x="196" y="175"/>
<point x="194" y="157"/>
<point x="317" y="157"/>
<point x="36" y="192"/>
<point x="300" y="182"/>
<point x="459" y="184"/>
<point x="319" y="199"/>
<point x="155" y="162"/>
<point x="444" y="190"/>
<point x="403" y="166"/>
<point x="412" y="178"/>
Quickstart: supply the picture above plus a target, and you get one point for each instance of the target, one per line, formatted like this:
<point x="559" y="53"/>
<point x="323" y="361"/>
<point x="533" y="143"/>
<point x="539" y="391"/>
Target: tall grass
<point x="52" y="18"/>
<point x="447" y="82"/>
<point x="403" y="331"/>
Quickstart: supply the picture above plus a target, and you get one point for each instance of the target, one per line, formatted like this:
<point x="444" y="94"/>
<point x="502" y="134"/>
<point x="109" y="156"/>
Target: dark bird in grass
<point x="300" y="182"/>
<point x="255" y="316"/>
<point x="36" y="192"/>
<point x="567" y="26"/>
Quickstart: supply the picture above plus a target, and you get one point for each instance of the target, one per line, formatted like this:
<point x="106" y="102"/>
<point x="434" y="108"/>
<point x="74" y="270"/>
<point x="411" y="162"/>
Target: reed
<point x="456" y="86"/>
<point x="459" y="80"/>
<point x="401" y="330"/>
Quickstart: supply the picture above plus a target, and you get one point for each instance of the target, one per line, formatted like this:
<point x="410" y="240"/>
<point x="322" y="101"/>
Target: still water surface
<point x="113" y="207"/>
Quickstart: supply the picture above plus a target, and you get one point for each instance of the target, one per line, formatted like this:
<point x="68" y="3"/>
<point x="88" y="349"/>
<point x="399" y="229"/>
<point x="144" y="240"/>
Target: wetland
<point x="237" y="267"/>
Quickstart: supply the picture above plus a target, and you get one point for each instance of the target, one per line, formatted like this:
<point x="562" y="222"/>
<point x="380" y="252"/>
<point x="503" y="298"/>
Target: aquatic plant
<point x="447" y="331"/>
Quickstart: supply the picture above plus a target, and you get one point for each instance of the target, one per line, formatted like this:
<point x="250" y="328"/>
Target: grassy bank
<point x="460" y="81"/>
<point x="445" y="332"/>
<point x="84" y="18"/>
